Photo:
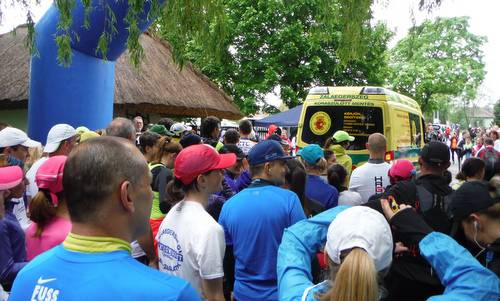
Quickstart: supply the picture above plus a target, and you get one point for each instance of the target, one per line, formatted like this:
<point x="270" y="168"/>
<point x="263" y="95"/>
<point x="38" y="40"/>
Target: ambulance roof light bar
<point x="319" y="91"/>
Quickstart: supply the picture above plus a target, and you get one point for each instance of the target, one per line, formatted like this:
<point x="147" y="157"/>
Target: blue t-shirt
<point x="61" y="275"/>
<point x="319" y="191"/>
<point x="253" y="222"/>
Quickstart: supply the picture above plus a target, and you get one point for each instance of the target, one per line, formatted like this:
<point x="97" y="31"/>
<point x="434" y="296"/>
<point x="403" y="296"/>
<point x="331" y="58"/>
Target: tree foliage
<point x="439" y="57"/>
<point x="497" y="112"/>
<point x="287" y="44"/>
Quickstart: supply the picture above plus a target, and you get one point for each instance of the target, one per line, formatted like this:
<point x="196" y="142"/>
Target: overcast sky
<point x="484" y="20"/>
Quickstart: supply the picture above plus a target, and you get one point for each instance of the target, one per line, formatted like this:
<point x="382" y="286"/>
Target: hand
<point x="391" y="209"/>
<point x="400" y="248"/>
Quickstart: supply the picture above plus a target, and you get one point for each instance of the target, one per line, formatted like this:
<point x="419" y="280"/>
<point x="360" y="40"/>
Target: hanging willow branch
<point x="182" y="21"/>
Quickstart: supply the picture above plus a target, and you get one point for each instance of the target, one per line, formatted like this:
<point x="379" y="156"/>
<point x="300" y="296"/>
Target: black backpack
<point x="434" y="208"/>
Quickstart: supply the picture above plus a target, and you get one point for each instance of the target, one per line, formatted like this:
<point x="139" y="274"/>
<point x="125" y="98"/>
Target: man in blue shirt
<point x="254" y="221"/>
<point x="107" y="187"/>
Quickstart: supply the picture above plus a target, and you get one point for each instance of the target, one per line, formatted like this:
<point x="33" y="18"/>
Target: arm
<point x="212" y="289"/>
<point x="461" y="274"/>
<point x="299" y="244"/>
<point x="210" y="259"/>
<point x="243" y="181"/>
<point x="164" y="177"/>
<point x="8" y="268"/>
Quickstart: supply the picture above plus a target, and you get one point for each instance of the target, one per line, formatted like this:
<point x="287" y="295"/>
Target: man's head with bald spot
<point x="121" y="127"/>
<point x="107" y="187"/>
<point x="376" y="146"/>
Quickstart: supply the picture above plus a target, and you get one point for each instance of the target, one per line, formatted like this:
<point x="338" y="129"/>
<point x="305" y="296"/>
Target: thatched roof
<point x="158" y="86"/>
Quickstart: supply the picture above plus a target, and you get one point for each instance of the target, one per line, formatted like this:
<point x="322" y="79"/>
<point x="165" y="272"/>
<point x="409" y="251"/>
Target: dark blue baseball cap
<point x="266" y="151"/>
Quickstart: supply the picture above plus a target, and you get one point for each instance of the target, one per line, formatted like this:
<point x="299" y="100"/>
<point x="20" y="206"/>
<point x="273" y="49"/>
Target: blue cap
<point x="266" y="151"/>
<point x="311" y="153"/>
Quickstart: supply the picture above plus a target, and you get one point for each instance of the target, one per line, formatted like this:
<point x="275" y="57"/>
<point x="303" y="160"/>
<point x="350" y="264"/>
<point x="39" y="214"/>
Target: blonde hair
<point x="356" y="279"/>
<point x="320" y="166"/>
<point x="35" y="154"/>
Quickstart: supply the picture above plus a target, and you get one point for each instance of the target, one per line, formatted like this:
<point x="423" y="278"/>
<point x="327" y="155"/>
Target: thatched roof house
<point x="157" y="87"/>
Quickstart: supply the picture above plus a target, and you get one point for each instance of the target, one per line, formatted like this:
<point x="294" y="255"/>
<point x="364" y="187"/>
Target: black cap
<point x="232" y="148"/>
<point x="469" y="198"/>
<point x="435" y="153"/>
<point x="190" y="139"/>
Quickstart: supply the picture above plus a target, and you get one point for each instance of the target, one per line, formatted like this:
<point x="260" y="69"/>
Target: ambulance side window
<point x="416" y="129"/>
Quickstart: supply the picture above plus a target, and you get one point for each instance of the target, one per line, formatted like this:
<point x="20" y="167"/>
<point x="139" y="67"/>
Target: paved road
<point x="454" y="170"/>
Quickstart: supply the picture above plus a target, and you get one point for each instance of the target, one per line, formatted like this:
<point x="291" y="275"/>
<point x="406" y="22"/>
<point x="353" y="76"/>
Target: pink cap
<point x="198" y="159"/>
<point x="50" y="175"/>
<point x="10" y="177"/>
<point x="403" y="169"/>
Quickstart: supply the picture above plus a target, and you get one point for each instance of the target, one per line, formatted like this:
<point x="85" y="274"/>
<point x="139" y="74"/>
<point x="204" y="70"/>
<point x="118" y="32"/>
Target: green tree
<point x="439" y="57"/>
<point x="286" y="44"/>
<point x="497" y="112"/>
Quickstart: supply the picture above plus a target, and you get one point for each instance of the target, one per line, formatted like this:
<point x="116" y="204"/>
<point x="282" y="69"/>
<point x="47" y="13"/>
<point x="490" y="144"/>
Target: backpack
<point x="490" y="155"/>
<point x="434" y="208"/>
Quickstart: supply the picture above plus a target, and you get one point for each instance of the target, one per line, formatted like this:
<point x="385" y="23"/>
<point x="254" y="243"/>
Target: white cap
<point x="360" y="227"/>
<point x="178" y="128"/>
<point x="11" y="137"/>
<point x="58" y="133"/>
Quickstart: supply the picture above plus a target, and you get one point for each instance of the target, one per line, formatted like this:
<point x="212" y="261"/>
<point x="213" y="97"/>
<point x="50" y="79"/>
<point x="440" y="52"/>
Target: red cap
<point x="10" y="177"/>
<point x="49" y="176"/>
<point x="198" y="159"/>
<point x="402" y="169"/>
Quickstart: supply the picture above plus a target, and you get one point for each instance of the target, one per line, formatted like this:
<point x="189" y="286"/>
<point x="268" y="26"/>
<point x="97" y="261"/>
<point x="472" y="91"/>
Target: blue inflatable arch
<point x="81" y="94"/>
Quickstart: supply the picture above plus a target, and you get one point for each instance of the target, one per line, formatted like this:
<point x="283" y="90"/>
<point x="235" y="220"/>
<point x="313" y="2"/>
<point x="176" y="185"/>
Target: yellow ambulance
<point x="361" y="111"/>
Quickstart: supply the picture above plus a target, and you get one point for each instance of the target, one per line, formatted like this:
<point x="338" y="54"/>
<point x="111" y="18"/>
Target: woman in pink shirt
<point x="48" y="209"/>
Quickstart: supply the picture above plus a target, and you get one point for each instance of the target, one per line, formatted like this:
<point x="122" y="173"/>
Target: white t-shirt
<point x="497" y="145"/>
<point x="32" y="188"/>
<point x="369" y="179"/>
<point x="246" y="145"/>
<point x="191" y="244"/>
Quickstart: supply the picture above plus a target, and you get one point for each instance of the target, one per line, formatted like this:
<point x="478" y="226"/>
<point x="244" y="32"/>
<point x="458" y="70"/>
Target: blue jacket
<point x="462" y="275"/>
<point x="12" y="246"/>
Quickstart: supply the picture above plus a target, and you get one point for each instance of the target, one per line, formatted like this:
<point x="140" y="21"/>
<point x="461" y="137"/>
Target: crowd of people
<point x="464" y="144"/>
<point x="181" y="213"/>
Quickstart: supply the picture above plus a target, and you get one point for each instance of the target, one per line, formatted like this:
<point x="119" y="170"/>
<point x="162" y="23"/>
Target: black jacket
<point x="409" y="270"/>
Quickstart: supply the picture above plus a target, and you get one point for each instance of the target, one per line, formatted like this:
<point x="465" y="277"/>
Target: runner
<point x="48" y="209"/>
<point x="190" y="242"/>
<point x="245" y="143"/>
<point x="106" y="182"/>
<point x="254" y="221"/>
<point x="12" y="246"/>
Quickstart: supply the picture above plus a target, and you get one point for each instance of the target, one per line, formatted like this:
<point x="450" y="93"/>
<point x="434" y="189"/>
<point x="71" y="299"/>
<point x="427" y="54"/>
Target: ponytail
<point x="329" y="142"/>
<point x="175" y="193"/>
<point x="42" y="211"/>
<point x="176" y="190"/>
<point x="356" y="279"/>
